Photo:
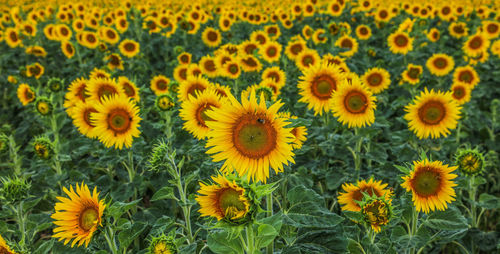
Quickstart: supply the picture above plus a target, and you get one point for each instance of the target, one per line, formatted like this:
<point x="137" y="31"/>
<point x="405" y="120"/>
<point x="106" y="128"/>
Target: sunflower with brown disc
<point x="249" y="137"/>
<point x="376" y="79"/>
<point x="353" y="193"/>
<point x="432" y="114"/>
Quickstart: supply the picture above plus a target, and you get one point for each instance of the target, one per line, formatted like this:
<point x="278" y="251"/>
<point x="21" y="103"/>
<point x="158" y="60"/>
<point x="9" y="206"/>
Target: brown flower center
<point x="432" y="112"/>
<point x="323" y="86"/>
<point x="254" y="135"/>
<point x="355" y="102"/>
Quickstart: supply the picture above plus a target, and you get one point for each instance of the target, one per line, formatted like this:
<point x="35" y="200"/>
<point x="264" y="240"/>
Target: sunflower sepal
<point x="163" y="244"/>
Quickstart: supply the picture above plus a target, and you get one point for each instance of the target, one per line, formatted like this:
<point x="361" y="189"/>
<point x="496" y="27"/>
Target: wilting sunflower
<point x="432" y="114"/>
<point x="116" y="121"/>
<point x="354" y="193"/>
<point x="469" y="161"/>
<point x="440" y="64"/>
<point x="129" y="88"/>
<point x="191" y="86"/>
<point x="431" y="185"/>
<point x="99" y="88"/>
<point x="466" y="74"/>
<point x="78" y="216"/>
<point x="376" y="79"/>
<point x="129" y="48"/>
<point x="249" y="137"/>
<point x="4" y="248"/>
<point x="211" y="37"/>
<point x="224" y="200"/>
<point x="348" y="44"/>
<point x="476" y="44"/>
<point x="271" y="51"/>
<point x="460" y="92"/>
<point x="412" y="74"/>
<point x="159" y="84"/>
<point x="317" y="85"/>
<point x="81" y="113"/>
<point x="400" y="42"/>
<point x="376" y="212"/>
<point x="353" y="103"/>
<point x="25" y="94"/>
<point x="193" y="111"/>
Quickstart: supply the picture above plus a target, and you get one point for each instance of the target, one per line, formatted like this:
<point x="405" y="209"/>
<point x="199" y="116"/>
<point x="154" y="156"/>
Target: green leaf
<point x="117" y="209"/>
<point x="220" y="242"/>
<point x="489" y="201"/>
<point x="449" y="219"/>
<point x="127" y="236"/>
<point x="354" y="247"/>
<point x="166" y="192"/>
<point x="44" y="247"/>
<point x="265" y="235"/>
<point x="355" y="216"/>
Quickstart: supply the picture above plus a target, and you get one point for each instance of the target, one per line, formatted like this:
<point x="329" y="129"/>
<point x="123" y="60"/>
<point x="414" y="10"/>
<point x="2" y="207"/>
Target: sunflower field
<point x="249" y="127"/>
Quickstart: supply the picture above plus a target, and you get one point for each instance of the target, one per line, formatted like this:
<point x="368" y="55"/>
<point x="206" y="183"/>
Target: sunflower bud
<point x="178" y="50"/>
<point x="55" y="84"/>
<point x="164" y="102"/>
<point x="14" y="189"/>
<point x="43" y="147"/>
<point x="43" y="106"/>
<point x="163" y="245"/>
<point x="469" y="161"/>
<point x="376" y="212"/>
<point x="12" y="80"/>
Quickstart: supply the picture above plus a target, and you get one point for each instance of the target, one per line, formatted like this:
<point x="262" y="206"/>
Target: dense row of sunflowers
<point x="252" y="83"/>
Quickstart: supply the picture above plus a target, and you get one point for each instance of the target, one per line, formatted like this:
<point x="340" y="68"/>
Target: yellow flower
<point x="249" y="138"/>
<point x="432" y="114"/>
<point x="376" y="79"/>
<point x="348" y="44"/>
<point x="129" y="48"/>
<point x="431" y="184"/>
<point x="476" y="44"/>
<point x="78" y="216"/>
<point x="270" y="52"/>
<point x="460" y="92"/>
<point x="159" y="84"/>
<point x="353" y="193"/>
<point x="25" y="94"/>
<point x="440" y="64"/>
<point x="377" y="213"/>
<point x="211" y="37"/>
<point x="466" y="74"/>
<point x="400" y="42"/>
<point x="81" y="115"/>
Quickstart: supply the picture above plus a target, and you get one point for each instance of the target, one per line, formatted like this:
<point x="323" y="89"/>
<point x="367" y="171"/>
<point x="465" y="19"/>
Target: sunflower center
<point x="363" y="31"/>
<point x="230" y="203"/>
<point x="250" y="62"/>
<point x="28" y="94"/>
<point x="130" y="47"/>
<point x="201" y="114"/>
<point x="465" y="76"/>
<point x="492" y="28"/>
<point x="3" y="250"/>
<point x="88" y="219"/>
<point x="119" y="121"/>
<point x="210" y="66"/>
<point x="440" y="63"/>
<point x="458" y="92"/>
<point x="432" y="112"/>
<point x="212" y="36"/>
<point x="271" y="52"/>
<point x="375" y="79"/>
<point x="476" y="43"/>
<point x="195" y="87"/>
<point x="401" y="40"/>
<point x="106" y="90"/>
<point x="250" y="48"/>
<point x="376" y="212"/>
<point x="86" y="116"/>
<point x="233" y="69"/>
<point x="91" y="38"/>
<point x="355" y="102"/>
<point x="426" y="182"/>
<point x="43" y="108"/>
<point x="323" y="86"/>
<point x="254" y="135"/>
<point x="161" y="85"/>
<point x="458" y="29"/>
<point x="13" y="36"/>
<point x="184" y="58"/>
<point x="164" y="103"/>
<point x="413" y="73"/>
<point x="129" y="90"/>
<point x="346" y="43"/>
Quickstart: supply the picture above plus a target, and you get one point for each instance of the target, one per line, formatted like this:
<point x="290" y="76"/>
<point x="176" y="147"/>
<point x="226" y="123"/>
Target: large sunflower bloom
<point x="431" y="185"/>
<point x="353" y="103"/>
<point x="353" y="193"/>
<point x="249" y="137"/>
<point x="78" y="216"/>
<point x="432" y="114"/>
<point x="116" y="121"/>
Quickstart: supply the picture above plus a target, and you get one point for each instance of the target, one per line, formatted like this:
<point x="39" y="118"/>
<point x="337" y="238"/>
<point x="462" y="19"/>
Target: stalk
<point x="269" y="204"/>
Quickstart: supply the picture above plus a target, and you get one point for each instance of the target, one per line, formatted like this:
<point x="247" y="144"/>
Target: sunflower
<point x="249" y="137"/>
<point x="76" y="93"/>
<point x="191" y="86"/>
<point x="12" y="37"/>
<point x="466" y="74"/>
<point x="43" y="148"/>
<point x="440" y="64"/>
<point x="68" y="49"/>
<point x="99" y="73"/>
<point x="109" y="35"/>
<point x="4" y="248"/>
<point x="180" y="72"/>
<point x="159" y="84"/>
<point x="276" y="74"/>
<point x="476" y="44"/>
<point x="348" y="44"/>
<point x="116" y="121"/>
<point x="412" y="74"/>
<point x="129" y="88"/>
<point x="193" y="111"/>
<point x="63" y="32"/>
<point x="317" y="86"/>
<point x="194" y="70"/>
<point x="319" y="36"/>
<point x="294" y="48"/>
<point x="307" y="58"/>
<point x="224" y="200"/>
<point x="491" y="29"/>
<point x="460" y="92"/>
<point x="28" y="28"/>
<point x="25" y="94"/>
<point x="222" y="91"/>
<point x="273" y="85"/>
<point x="99" y="88"/>
<point x="36" y="51"/>
<point x="250" y="63"/>
<point x="469" y="161"/>
<point x="458" y="29"/>
<point x="353" y="193"/>
<point x="129" y="48"/>
<point x="35" y="70"/>
<point x="271" y="51"/>
<point x="400" y="42"/>
<point x="78" y="216"/>
<point x="114" y="61"/>
<point x="43" y="106"/>
<point x="353" y="103"/>
<point x="335" y="8"/>
<point x="231" y="69"/>
<point x="89" y="40"/>
<point x="432" y="114"/>
<point x="184" y="58"/>
<point x="273" y="31"/>
<point x="81" y="113"/>
<point x="247" y="48"/>
<point x="208" y="66"/>
<point x="376" y="79"/>
<point x="164" y="102"/>
<point x="431" y="185"/>
<point x="363" y="32"/>
<point x="377" y="212"/>
<point x="259" y="37"/>
<point x="260" y="90"/>
<point x="211" y="37"/>
<point x="433" y="35"/>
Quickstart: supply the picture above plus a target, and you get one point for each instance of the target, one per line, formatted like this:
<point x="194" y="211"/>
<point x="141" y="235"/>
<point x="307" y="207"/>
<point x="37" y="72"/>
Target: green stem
<point x="16" y="161"/>
<point x="186" y="209"/>
<point x="57" y="147"/>
<point x="167" y="116"/>
<point x="110" y="239"/>
<point x="461" y="246"/>
<point x="357" y="154"/>
<point x="250" y="239"/>
<point x="472" y="197"/>
<point x="269" y="204"/>
<point x="236" y="88"/>
<point x="414" y="223"/>
<point x="22" y="224"/>
<point x="78" y="56"/>
<point x="130" y="166"/>
<point x="459" y="128"/>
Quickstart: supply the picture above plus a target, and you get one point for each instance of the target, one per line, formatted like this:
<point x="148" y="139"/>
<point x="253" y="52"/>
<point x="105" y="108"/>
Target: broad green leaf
<point x="117" y="209"/>
<point x="489" y="201"/>
<point x="166" y="192"/>
<point x="220" y="243"/>
<point x="44" y="247"/>
<point x="127" y="236"/>
<point x="449" y="219"/>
